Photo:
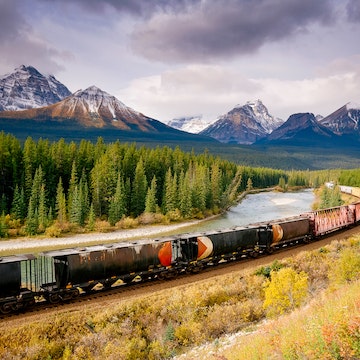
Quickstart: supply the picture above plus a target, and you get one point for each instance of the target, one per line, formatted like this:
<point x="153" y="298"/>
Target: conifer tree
<point x="117" y="206"/>
<point x="150" y="201"/>
<point x="200" y="187"/>
<point x="42" y="210"/>
<point x="185" y="196"/>
<point x="75" y="214"/>
<point x="92" y="218"/>
<point x="60" y="206"/>
<point x="32" y="220"/>
<point x="72" y="185"/>
<point x="18" y="207"/>
<point x="139" y="189"/>
<point x="83" y="199"/>
<point x="37" y="203"/>
<point x="215" y="186"/>
<point x="170" y="192"/>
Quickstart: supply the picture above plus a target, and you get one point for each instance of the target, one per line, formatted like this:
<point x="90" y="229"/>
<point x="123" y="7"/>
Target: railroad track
<point x="146" y="287"/>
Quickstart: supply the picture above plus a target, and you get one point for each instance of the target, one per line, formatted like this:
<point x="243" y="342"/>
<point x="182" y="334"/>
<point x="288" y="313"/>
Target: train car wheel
<point x="162" y="276"/>
<point x="5" y="308"/>
<point x="75" y="293"/>
<point x="270" y="250"/>
<point x="54" y="298"/>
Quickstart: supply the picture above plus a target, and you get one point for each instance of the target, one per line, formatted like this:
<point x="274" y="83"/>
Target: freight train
<point x="61" y="275"/>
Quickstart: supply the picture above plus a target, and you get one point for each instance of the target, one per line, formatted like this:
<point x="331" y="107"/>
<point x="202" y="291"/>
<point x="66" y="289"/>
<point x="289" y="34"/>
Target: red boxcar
<point x="328" y="220"/>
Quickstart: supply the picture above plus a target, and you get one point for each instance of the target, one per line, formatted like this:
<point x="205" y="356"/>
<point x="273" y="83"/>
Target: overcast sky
<point x="170" y="58"/>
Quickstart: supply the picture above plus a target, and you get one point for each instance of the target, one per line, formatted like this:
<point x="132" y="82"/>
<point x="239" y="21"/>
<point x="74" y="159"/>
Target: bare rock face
<point x="26" y="88"/>
<point x="344" y="121"/>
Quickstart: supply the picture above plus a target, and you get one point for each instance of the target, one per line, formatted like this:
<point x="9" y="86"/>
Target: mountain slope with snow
<point x="26" y="88"/>
<point x="191" y="124"/>
<point x="244" y="124"/>
<point x="344" y="121"/>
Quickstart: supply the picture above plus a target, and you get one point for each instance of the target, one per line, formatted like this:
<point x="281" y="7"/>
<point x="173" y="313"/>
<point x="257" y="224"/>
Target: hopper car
<point x="61" y="275"/>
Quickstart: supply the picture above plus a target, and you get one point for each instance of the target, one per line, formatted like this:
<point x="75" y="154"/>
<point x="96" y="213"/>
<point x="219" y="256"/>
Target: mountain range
<point x="34" y="103"/>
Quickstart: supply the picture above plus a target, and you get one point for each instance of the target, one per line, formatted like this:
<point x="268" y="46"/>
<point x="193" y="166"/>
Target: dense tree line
<point x="350" y="177"/>
<point x="45" y="182"/>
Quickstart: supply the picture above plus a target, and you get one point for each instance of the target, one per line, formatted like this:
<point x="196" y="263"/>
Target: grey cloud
<point x="353" y="10"/>
<point x="218" y="29"/>
<point x="20" y="45"/>
<point x="134" y="7"/>
<point x="12" y="23"/>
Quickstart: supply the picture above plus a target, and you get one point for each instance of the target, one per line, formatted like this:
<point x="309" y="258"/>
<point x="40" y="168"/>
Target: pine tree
<point x="117" y="205"/>
<point x="18" y="207"/>
<point x="92" y="218"/>
<point x="215" y="186"/>
<point x="42" y="210"/>
<point x="60" y="206"/>
<point x="75" y="206"/>
<point x="139" y="189"/>
<point x="37" y="203"/>
<point x="72" y="185"/>
<point x="200" y="187"/>
<point x="150" y="201"/>
<point x="185" y="196"/>
<point x="170" y="192"/>
<point x="84" y="199"/>
<point x="32" y="220"/>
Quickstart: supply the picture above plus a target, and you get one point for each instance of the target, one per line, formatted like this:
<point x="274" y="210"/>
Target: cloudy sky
<point x="170" y="58"/>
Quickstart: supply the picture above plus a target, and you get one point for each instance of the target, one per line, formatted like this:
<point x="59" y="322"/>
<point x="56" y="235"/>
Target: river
<point x="262" y="207"/>
<point x="256" y="207"/>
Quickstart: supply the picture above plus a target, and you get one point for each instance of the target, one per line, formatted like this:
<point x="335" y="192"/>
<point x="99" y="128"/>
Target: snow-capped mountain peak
<point x="94" y="100"/>
<point x="243" y="124"/>
<point x="345" y="120"/>
<point x="27" y="88"/>
<point x="267" y="121"/>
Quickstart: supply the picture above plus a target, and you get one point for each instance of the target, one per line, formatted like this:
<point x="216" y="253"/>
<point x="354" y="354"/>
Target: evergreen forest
<point x="53" y="185"/>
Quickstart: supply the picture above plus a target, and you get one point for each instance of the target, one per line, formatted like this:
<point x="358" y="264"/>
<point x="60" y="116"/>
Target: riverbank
<point x="143" y="232"/>
<point x="253" y="206"/>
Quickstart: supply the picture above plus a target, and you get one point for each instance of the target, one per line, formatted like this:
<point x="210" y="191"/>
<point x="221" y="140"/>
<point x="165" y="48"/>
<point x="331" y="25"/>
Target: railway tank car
<point x="61" y="274"/>
<point x="102" y="265"/>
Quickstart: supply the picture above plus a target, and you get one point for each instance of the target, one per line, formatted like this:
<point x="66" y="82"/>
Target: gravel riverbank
<point x="96" y="238"/>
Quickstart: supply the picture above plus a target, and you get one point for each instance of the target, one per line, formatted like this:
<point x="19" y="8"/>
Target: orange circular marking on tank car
<point x="165" y="254"/>
<point x="278" y="233"/>
<point x="205" y="247"/>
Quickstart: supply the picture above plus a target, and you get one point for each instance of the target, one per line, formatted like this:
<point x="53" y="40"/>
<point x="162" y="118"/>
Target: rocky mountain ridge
<point x="344" y="121"/>
<point x="27" y="88"/>
<point x="244" y="124"/>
